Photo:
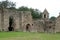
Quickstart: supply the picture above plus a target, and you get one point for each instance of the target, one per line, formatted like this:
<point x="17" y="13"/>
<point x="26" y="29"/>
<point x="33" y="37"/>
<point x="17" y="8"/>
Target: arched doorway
<point x="11" y="21"/>
<point x="28" y="27"/>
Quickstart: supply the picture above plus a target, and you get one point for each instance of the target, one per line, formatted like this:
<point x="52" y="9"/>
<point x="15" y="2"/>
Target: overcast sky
<point x="53" y="6"/>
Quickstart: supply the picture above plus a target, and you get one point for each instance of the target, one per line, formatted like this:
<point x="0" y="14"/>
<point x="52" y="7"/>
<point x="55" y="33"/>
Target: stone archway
<point x="11" y="22"/>
<point x="28" y="27"/>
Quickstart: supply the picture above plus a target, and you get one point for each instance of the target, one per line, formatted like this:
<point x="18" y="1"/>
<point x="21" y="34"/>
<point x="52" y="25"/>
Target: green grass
<point x="28" y="36"/>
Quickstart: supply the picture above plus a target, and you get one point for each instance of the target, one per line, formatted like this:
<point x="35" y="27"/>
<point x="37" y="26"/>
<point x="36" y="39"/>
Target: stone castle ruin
<point x="11" y="20"/>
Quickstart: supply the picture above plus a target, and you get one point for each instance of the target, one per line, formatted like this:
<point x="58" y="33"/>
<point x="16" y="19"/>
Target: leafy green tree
<point x="40" y="15"/>
<point x="36" y="14"/>
<point x="23" y="8"/>
<point x="3" y="4"/>
<point x="11" y="5"/>
<point x="53" y="18"/>
<point x="7" y="4"/>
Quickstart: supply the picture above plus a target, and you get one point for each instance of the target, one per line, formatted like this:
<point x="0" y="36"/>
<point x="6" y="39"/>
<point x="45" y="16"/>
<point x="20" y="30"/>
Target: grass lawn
<point x="28" y="36"/>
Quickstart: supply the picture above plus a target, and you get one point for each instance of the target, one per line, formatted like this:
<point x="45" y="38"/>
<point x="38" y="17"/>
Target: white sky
<point x="53" y="6"/>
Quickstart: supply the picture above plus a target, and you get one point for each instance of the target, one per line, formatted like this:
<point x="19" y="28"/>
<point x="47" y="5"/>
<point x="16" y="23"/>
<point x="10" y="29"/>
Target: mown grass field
<point x="28" y="36"/>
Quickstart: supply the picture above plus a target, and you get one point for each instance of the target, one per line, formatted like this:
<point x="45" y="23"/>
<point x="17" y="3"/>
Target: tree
<point x="23" y="8"/>
<point x="3" y="4"/>
<point x="40" y="15"/>
<point x="11" y="5"/>
<point x="53" y="18"/>
<point x="36" y="14"/>
<point x="7" y="4"/>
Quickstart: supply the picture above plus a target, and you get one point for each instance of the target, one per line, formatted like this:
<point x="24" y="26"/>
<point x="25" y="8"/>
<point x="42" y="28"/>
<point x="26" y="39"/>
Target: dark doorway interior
<point x="44" y="15"/>
<point x="10" y="28"/>
<point x="28" y="27"/>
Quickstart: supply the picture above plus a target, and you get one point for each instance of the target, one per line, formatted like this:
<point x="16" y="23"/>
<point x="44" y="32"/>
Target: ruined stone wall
<point x="14" y="14"/>
<point x="57" y="27"/>
<point x="27" y="19"/>
<point x="38" y="25"/>
<point x="0" y="21"/>
<point x="20" y="20"/>
<point x="6" y="20"/>
<point x="44" y="26"/>
<point x="50" y="26"/>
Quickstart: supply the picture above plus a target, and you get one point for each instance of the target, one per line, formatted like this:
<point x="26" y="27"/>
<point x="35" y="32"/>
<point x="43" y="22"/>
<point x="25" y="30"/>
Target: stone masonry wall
<point x="0" y="21"/>
<point x="27" y="19"/>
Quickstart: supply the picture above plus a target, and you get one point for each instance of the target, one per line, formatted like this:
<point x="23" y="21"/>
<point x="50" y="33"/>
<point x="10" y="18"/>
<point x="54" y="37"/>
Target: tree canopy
<point x="7" y="4"/>
<point x="53" y="18"/>
<point x="23" y="8"/>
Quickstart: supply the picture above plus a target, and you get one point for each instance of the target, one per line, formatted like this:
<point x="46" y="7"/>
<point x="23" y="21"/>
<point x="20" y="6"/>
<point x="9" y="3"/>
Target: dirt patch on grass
<point x="21" y="38"/>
